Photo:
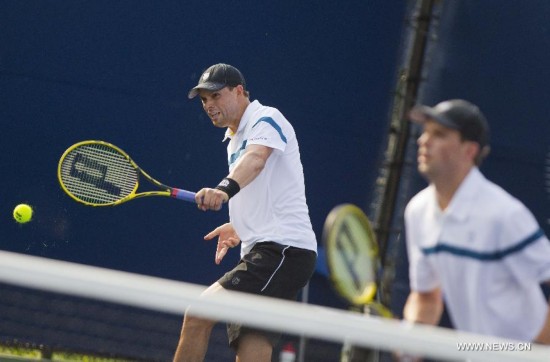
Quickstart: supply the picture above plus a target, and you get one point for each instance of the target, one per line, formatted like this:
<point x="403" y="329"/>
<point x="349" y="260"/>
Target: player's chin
<point x="423" y="168"/>
<point x="218" y="124"/>
<point x="217" y="121"/>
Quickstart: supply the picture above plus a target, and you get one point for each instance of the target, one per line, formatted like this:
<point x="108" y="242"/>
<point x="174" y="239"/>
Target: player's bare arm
<point x="248" y="167"/>
<point x="250" y="164"/>
<point x="544" y="335"/>
<point x="424" y="307"/>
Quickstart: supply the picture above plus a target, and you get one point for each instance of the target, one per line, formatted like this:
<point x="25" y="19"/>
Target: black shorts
<point x="272" y="270"/>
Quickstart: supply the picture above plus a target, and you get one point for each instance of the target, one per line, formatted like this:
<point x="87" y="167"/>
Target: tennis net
<point x="48" y="302"/>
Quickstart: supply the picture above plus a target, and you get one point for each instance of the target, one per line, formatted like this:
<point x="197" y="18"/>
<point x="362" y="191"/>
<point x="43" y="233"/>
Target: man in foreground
<point x="268" y="214"/>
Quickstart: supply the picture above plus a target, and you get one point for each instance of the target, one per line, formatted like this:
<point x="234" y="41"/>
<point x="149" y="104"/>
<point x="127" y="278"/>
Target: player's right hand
<point x="210" y="199"/>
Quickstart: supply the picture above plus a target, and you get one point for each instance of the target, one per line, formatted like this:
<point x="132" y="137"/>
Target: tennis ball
<point x="22" y="213"/>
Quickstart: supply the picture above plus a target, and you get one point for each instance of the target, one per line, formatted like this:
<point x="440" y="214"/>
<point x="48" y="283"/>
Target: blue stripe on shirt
<point x="490" y="256"/>
<point x="273" y="124"/>
<point x="236" y="154"/>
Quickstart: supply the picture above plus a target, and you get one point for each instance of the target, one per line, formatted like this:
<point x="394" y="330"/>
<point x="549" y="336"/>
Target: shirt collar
<point x="466" y="193"/>
<point x="250" y="109"/>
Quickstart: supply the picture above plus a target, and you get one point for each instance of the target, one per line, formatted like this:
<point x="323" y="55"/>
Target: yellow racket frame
<point x="348" y="234"/>
<point x="167" y="191"/>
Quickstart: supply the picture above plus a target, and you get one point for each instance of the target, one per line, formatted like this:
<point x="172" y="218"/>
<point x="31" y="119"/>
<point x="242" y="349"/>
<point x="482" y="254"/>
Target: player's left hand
<point x="227" y="238"/>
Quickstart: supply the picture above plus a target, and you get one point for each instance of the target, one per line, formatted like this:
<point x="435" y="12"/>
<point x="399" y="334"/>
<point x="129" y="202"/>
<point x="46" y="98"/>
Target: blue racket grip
<point x="183" y="195"/>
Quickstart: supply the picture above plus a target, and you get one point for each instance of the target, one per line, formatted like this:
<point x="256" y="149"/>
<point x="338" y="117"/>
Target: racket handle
<point x="183" y="195"/>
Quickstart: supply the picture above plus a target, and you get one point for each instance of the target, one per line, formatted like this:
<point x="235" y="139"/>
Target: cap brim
<point x="421" y="114"/>
<point x="209" y="86"/>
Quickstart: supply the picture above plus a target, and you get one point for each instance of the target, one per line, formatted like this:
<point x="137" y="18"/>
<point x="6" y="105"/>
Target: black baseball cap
<point x="216" y="77"/>
<point x="457" y="114"/>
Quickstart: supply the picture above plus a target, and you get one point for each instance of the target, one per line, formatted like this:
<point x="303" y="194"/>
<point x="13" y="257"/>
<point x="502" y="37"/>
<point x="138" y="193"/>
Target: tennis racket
<point x="352" y="257"/>
<point x="97" y="173"/>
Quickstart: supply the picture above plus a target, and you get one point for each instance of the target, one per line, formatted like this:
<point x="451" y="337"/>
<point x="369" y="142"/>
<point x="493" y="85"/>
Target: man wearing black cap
<point x="469" y="242"/>
<point x="268" y="213"/>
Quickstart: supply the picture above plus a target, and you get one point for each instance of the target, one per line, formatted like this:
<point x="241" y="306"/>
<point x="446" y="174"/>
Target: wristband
<point x="229" y="186"/>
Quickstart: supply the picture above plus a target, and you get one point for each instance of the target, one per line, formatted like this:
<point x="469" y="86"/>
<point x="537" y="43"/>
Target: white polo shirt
<point x="273" y="206"/>
<point x="488" y="255"/>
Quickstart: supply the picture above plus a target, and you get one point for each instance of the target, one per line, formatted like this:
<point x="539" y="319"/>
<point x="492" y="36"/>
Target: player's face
<point x="441" y="151"/>
<point x="222" y="107"/>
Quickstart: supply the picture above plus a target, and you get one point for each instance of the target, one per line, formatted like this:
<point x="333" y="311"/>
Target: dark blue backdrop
<point x="120" y="71"/>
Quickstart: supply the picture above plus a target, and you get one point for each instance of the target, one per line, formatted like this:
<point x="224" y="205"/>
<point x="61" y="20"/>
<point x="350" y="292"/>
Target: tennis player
<point x="268" y="213"/>
<point x="470" y="243"/>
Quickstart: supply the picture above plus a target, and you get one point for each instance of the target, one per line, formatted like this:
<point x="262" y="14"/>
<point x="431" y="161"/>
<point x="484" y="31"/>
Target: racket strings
<point x="98" y="174"/>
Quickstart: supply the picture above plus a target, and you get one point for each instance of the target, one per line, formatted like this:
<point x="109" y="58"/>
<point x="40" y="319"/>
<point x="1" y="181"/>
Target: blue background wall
<point x="120" y="71"/>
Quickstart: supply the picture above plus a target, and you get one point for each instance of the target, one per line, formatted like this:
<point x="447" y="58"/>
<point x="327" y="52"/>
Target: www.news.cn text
<point x="488" y="347"/>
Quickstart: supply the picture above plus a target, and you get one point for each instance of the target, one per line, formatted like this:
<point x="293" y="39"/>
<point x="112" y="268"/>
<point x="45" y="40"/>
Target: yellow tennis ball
<point x="22" y="213"/>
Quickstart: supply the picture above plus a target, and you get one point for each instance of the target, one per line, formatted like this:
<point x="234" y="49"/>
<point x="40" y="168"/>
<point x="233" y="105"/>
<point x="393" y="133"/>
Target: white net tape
<point x="319" y="322"/>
